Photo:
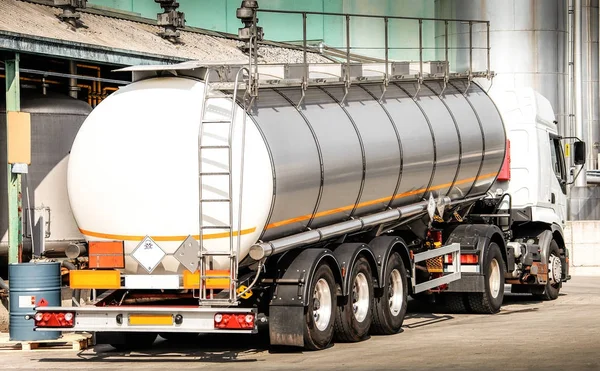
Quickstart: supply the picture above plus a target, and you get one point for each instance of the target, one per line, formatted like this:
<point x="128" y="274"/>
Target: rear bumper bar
<point x="118" y="319"/>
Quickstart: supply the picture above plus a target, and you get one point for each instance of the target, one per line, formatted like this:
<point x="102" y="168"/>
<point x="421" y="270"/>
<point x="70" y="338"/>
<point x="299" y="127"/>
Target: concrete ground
<point x="526" y="335"/>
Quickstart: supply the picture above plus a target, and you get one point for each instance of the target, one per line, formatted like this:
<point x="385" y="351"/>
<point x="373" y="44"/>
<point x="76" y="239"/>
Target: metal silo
<point x="528" y="43"/>
<point x="55" y="120"/>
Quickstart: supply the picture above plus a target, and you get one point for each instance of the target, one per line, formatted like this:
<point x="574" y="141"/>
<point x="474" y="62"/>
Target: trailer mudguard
<point x="290" y="295"/>
<point x="346" y="254"/>
<point x="382" y="247"/>
<point x="474" y="239"/>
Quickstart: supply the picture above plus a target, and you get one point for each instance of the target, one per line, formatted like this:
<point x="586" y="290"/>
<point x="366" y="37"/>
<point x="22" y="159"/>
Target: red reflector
<point x="54" y="319"/>
<point x="234" y="321"/>
<point x="464" y="259"/>
<point x="505" y="171"/>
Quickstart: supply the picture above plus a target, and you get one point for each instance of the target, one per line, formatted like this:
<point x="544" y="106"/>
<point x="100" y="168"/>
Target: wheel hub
<point x="554" y="269"/>
<point x="322" y="304"/>
<point x="395" y="292"/>
<point x="495" y="280"/>
<point x="360" y="297"/>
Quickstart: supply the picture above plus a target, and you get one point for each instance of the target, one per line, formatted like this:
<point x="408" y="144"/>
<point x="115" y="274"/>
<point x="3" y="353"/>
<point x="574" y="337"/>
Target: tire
<point x="490" y="301"/>
<point x="136" y="341"/>
<point x="179" y="337"/>
<point x="551" y="289"/>
<point x="320" y="312"/>
<point x="455" y="303"/>
<point x="355" y="314"/>
<point x="389" y="309"/>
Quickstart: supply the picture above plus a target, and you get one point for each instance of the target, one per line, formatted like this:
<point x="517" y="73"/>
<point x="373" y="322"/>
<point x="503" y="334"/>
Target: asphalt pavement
<point x="526" y="335"/>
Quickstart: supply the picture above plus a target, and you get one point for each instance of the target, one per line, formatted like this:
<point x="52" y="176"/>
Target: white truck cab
<point x="537" y="180"/>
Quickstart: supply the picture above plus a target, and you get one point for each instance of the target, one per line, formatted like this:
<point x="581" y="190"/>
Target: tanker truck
<point x="212" y="205"/>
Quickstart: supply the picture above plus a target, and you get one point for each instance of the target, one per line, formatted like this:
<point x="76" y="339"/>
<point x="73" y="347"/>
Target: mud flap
<point x="286" y="326"/>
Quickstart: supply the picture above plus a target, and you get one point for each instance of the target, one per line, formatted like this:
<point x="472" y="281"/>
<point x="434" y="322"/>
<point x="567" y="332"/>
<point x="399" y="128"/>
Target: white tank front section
<point x="133" y="172"/>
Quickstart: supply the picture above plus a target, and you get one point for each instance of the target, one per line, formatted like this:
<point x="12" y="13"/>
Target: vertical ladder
<point x="204" y="256"/>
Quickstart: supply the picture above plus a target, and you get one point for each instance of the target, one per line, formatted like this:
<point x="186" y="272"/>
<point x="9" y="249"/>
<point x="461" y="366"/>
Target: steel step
<point x="215" y="173"/>
<point x="215" y="147"/>
<point x="215" y="200"/>
<point x="216" y="227"/>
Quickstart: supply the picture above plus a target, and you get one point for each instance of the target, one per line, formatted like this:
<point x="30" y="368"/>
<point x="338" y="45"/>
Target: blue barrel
<point x="30" y="284"/>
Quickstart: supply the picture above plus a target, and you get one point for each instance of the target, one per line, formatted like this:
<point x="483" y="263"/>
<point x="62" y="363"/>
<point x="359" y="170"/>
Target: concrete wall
<point x="584" y="247"/>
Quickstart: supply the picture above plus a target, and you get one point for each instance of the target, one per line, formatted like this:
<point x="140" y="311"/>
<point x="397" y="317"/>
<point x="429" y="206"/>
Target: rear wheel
<point x="551" y="290"/>
<point x="454" y="302"/>
<point x="490" y="301"/>
<point x="389" y="309"/>
<point x="136" y="341"/>
<point x="319" y="317"/>
<point x="354" y="315"/>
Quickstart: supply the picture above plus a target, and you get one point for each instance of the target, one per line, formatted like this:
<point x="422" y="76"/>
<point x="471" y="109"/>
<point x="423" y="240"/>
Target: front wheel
<point x="319" y="317"/>
<point x="490" y="301"/>
<point x="552" y="288"/>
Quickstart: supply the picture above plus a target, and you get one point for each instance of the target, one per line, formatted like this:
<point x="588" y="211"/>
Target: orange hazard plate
<point x="151" y="319"/>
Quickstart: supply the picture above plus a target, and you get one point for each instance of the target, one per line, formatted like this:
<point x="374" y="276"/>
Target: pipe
<point x="89" y="94"/>
<point x="579" y="132"/>
<point x="261" y="250"/>
<point x="3" y="285"/>
<point x="70" y="266"/>
<point x="96" y="85"/>
<point x="72" y="80"/>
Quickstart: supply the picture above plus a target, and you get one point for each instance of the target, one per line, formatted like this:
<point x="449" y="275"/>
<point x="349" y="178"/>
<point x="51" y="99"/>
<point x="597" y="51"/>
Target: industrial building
<point x="59" y="59"/>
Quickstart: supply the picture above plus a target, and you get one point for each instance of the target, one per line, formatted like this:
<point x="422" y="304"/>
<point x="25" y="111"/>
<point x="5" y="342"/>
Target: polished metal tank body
<point x="333" y="161"/>
<point x="55" y="120"/>
<point x="330" y="160"/>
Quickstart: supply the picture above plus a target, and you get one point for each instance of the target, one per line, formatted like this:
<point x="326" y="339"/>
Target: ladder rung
<point x="209" y="277"/>
<point x="219" y="96"/>
<point x="216" y="227"/>
<point x="216" y="121"/>
<point x="215" y="147"/>
<point x="215" y="200"/>
<point x="216" y="173"/>
<point x="217" y="253"/>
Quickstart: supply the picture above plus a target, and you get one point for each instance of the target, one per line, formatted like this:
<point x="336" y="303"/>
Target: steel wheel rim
<point x="494" y="280"/>
<point x="554" y="269"/>
<point x="322" y="304"/>
<point x="360" y="297"/>
<point x="396" y="292"/>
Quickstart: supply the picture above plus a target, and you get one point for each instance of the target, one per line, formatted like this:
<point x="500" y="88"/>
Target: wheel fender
<point x="291" y="289"/>
<point x="290" y="295"/>
<point x="476" y="238"/>
<point x="346" y="254"/>
<point x="544" y="240"/>
<point x="383" y="247"/>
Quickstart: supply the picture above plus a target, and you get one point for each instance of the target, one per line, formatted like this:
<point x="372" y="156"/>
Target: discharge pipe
<point x="262" y="250"/>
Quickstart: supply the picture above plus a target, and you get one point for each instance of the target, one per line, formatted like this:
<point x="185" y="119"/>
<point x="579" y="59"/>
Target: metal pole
<point x="387" y="46"/>
<point x="489" y="68"/>
<point x="470" y="48"/>
<point x="304" y="48"/>
<point x="420" y="49"/>
<point x="348" y="47"/>
<point x="447" y="69"/>
<point x="15" y="207"/>
<point x="579" y="132"/>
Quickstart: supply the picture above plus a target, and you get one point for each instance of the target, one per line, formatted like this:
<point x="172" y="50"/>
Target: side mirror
<point x="579" y="153"/>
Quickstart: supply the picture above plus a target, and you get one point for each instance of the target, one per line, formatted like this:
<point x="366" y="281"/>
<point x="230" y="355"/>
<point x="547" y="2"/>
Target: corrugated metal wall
<point x="366" y="34"/>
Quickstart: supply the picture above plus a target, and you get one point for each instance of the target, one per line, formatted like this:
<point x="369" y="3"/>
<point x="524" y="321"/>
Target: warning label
<point x="26" y="301"/>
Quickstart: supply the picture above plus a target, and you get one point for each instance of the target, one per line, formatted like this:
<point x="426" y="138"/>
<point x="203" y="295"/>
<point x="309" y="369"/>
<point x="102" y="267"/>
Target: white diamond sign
<point x="148" y="254"/>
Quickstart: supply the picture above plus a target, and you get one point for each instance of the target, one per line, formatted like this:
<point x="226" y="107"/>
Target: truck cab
<point x="537" y="180"/>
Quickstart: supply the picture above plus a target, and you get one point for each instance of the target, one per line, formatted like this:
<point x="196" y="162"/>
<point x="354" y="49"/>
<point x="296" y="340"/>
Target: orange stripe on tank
<point x="377" y="201"/>
<point x="120" y="237"/>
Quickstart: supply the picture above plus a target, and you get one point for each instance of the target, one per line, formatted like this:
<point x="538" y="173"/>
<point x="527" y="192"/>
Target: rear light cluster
<point x="233" y="321"/>
<point x="54" y="319"/>
<point x="464" y="259"/>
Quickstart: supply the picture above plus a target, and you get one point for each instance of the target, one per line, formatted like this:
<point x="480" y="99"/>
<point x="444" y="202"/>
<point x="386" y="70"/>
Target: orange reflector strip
<point x="464" y="259"/>
<point x="192" y="280"/>
<point x="151" y="319"/>
<point x="87" y="279"/>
